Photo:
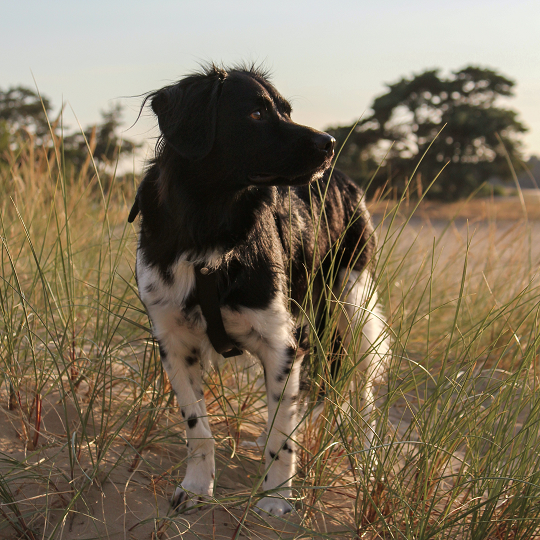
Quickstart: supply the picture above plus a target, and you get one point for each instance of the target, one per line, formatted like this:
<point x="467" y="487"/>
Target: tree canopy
<point x="24" y="113"/>
<point x="22" y="109"/>
<point x="475" y="132"/>
<point x="104" y="139"/>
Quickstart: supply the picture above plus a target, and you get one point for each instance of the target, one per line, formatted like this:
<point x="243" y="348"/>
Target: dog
<point x="230" y="207"/>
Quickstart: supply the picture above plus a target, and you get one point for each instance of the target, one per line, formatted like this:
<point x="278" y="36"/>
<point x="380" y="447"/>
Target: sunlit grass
<point x="91" y="442"/>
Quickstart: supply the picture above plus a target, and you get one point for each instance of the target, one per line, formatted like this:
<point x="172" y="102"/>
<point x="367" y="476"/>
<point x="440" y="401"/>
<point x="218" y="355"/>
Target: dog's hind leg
<point x="183" y="367"/>
<point x="363" y="330"/>
<point x="282" y="375"/>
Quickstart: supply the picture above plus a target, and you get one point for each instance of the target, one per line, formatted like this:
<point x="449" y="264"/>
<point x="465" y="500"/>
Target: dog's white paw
<point x="188" y="499"/>
<point x="274" y="506"/>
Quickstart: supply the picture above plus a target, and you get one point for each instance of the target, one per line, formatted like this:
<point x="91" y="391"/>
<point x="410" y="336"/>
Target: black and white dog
<point x="230" y="208"/>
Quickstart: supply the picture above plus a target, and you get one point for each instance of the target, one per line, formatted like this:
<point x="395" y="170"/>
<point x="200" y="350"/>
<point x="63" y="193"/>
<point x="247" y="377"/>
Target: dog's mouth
<point x="281" y="179"/>
<point x="263" y="178"/>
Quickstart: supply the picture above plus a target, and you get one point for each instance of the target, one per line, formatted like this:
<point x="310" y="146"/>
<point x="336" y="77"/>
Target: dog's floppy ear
<point x="187" y="113"/>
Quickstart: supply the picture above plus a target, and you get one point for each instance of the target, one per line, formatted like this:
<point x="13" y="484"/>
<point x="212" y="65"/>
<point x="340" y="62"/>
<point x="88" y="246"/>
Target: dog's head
<point x="234" y="124"/>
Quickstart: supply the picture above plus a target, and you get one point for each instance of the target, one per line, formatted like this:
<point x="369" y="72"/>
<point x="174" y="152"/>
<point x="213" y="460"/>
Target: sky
<point x="329" y="58"/>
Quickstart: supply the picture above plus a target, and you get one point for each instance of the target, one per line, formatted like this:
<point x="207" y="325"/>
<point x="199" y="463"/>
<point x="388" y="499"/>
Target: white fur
<point x="362" y="324"/>
<point x="364" y="332"/>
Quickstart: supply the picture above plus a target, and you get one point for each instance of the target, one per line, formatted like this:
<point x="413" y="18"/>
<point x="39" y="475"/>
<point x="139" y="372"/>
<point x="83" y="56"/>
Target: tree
<point x="23" y="111"/>
<point x="104" y="139"/>
<point x="407" y="119"/>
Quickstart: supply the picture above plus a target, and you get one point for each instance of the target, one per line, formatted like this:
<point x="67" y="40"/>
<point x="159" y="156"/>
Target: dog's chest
<point x="175" y="291"/>
<point x="171" y="307"/>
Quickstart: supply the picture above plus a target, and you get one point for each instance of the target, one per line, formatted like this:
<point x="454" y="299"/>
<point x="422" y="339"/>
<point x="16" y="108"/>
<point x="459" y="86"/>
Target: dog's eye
<point x="256" y="115"/>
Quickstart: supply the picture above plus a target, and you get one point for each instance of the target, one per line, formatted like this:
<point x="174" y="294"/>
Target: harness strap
<point x="207" y="295"/>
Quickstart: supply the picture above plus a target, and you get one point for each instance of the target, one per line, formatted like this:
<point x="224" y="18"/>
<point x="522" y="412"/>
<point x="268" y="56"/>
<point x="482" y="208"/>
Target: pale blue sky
<point x="330" y="58"/>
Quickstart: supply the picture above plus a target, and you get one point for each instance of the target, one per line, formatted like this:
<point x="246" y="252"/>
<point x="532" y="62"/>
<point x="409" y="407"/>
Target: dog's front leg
<point x="282" y="375"/>
<point x="185" y="373"/>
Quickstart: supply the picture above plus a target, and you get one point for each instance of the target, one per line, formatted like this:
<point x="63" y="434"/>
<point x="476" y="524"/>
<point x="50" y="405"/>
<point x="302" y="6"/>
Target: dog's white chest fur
<point x="153" y="289"/>
<point x="165" y="301"/>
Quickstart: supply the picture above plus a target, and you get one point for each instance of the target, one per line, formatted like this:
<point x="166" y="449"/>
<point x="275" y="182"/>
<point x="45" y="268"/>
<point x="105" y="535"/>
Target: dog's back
<point x="324" y="227"/>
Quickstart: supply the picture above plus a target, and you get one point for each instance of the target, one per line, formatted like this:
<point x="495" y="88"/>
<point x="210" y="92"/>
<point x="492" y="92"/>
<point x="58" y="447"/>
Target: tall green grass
<point x="88" y="415"/>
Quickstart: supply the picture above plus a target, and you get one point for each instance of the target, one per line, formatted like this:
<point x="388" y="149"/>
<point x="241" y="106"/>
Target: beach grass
<point x="91" y="442"/>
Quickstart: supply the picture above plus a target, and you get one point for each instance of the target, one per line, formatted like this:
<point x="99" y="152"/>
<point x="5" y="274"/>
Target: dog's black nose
<point x="324" y="142"/>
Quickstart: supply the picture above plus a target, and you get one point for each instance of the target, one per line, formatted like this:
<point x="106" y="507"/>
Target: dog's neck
<point x="193" y="215"/>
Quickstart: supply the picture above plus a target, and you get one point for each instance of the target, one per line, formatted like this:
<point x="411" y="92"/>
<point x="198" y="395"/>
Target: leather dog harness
<point x="207" y="294"/>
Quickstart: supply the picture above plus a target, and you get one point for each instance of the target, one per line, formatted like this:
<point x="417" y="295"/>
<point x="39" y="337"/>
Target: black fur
<point x="191" y="360"/>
